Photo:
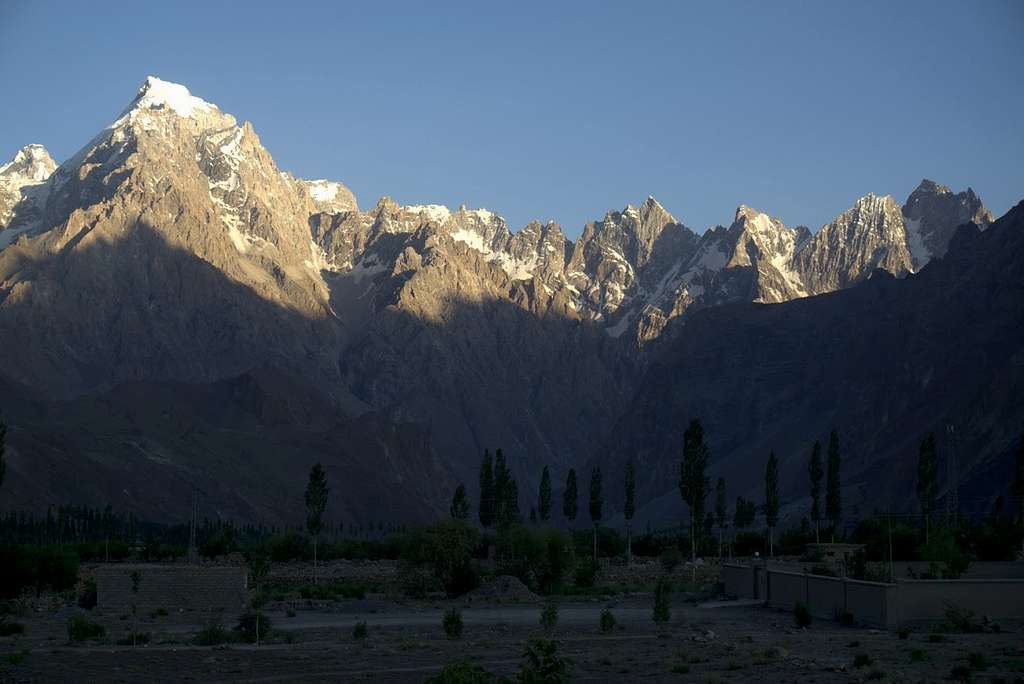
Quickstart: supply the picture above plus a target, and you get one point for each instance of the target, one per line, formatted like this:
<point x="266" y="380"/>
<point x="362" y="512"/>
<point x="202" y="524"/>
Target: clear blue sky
<point x="559" y="110"/>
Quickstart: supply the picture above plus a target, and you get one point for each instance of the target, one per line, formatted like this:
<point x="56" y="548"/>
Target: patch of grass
<point x="607" y="621"/>
<point x="289" y="613"/>
<point x="977" y="661"/>
<point x="681" y="669"/>
<point x="903" y="633"/>
<point x="961" y="620"/>
<point x="853" y="644"/>
<point x="862" y="660"/>
<point x="159" y="612"/>
<point x="543" y="664"/>
<point x="732" y="666"/>
<point x="662" y="601"/>
<point x="917" y="656"/>
<point x="876" y="674"/>
<point x="452" y="623"/>
<point x="961" y="673"/>
<point x="18" y="657"/>
<point x="934" y="638"/>
<point x="134" y="639"/>
<point x="462" y="672"/>
<point x="360" y="632"/>
<point x="81" y="629"/>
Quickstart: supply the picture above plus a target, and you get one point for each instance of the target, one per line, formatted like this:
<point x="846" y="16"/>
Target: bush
<point x="862" y="660"/>
<point x="607" y="621"/>
<point x="946" y="555"/>
<point x="543" y="665"/>
<point x="37" y="568"/>
<point x="462" y="672"/>
<point x="917" y="655"/>
<point x="977" y="661"/>
<point x="247" y="626"/>
<point x="903" y="633"/>
<point x="360" y="632"/>
<point x="662" y="601"/>
<point x="134" y="638"/>
<point x="961" y="620"/>
<point x="289" y="547"/>
<point x="671" y="558"/>
<point x="586" y="573"/>
<point x="801" y="614"/>
<point x="445" y="550"/>
<point x="846" y="619"/>
<point x="541" y="559"/>
<point x="936" y="638"/>
<point x="213" y="634"/>
<point x="80" y="629"/>
<point x="452" y="623"/>
<point x="11" y="628"/>
<point x="87" y="598"/>
<point x="549" y="616"/>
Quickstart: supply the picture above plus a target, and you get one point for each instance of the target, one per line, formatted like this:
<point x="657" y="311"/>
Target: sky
<point x="559" y="110"/>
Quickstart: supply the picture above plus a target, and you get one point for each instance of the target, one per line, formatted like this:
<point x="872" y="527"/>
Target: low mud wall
<point x="172" y="588"/>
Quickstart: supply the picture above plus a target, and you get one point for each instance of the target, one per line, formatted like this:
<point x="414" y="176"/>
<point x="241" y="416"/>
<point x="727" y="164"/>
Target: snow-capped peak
<point x="156" y="93"/>
<point x="31" y="164"/>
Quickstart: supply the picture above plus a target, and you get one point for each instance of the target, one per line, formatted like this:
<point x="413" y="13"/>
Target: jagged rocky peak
<point x="932" y="214"/>
<point x="32" y="163"/>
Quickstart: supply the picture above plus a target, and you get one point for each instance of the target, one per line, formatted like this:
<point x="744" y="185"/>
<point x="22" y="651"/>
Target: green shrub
<point x="11" y="628"/>
<point x="18" y="657"/>
<point x="213" y="634"/>
<point x="681" y="669"/>
<point x="247" y="627"/>
<point x="961" y="620"/>
<point x="917" y="655"/>
<point x="36" y="568"/>
<point x="543" y="664"/>
<point x="961" y="673"/>
<point x="81" y="629"/>
<point x="903" y="633"/>
<point x="846" y="619"/>
<point x="801" y="614"/>
<point x="462" y="672"/>
<point x="134" y="638"/>
<point x="549" y="616"/>
<point x="87" y="597"/>
<point x="876" y="674"/>
<point x="662" y="600"/>
<point x="586" y="573"/>
<point x="445" y="551"/>
<point x="360" y="632"/>
<point x="977" y="661"/>
<point x="671" y="558"/>
<point x="607" y="621"/>
<point x="862" y="660"/>
<point x="452" y="623"/>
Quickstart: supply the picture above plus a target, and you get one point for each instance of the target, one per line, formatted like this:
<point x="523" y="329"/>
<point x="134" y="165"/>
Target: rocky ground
<point x="726" y="642"/>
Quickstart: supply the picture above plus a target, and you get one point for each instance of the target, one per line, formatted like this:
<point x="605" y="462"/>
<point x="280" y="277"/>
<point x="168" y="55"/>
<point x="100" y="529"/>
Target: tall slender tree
<point x="3" y="449"/>
<point x="815" y="472"/>
<point x="544" y="497"/>
<point x="927" y="480"/>
<point x="570" y="498"/>
<point x="486" y="508"/>
<point x="629" y="509"/>
<point x="502" y="489"/>
<point x="721" y="511"/>
<point x="596" y="503"/>
<point x="316" y="503"/>
<point x="771" y="500"/>
<point x="693" y="483"/>
<point x="512" y="502"/>
<point x="460" y="503"/>
<point x="833" y="485"/>
<point x="1018" y="487"/>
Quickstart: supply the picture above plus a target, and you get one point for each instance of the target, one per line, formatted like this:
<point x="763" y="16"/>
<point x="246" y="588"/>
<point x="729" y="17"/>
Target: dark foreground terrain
<point x="405" y="643"/>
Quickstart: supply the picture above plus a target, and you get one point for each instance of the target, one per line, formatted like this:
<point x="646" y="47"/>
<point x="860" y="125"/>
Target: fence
<point x="174" y="588"/>
<point x="875" y="603"/>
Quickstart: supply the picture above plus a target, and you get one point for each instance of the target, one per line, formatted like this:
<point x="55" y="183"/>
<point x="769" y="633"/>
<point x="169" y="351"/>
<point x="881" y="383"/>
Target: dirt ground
<point x="712" y="643"/>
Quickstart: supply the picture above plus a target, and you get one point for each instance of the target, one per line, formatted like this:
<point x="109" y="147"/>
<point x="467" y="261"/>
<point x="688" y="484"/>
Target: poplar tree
<point x="502" y="489"/>
<point x="815" y="472"/>
<point x="544" y="498"/>
<point x="596" y="503"/>
<point x="570" y="505"/>
<point x="771" y="500"/>
<point x="721" y="511"/>
<point x="693" y="483"/>
<point x="3" y="448"/>
<point x="927" y="480"/>
<point x="629" y="509"/>
<point x="486" y="508"/>
<point x="460" y="503"/>
<point x="316" y="502"/>
<point x="1018" y="486"/>
<point x="833" y="494"/>
<point x="512" y="503"/>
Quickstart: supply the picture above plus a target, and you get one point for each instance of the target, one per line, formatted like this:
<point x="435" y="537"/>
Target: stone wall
<point x="173" y="588"/>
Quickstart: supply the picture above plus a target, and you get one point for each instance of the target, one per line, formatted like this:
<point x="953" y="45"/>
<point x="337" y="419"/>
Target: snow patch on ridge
<point x="919" y="252"/>
<point x="435" y="212"/>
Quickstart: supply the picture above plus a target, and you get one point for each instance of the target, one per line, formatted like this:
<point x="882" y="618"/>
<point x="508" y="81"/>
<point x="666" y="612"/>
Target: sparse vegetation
<point x="862" y="660"/>
<point x="543" y="664"/>
<point x="462" y="672"/>
<point x="360" y="632"/>
<point x="961" y="620"/>
<point x="452" y="623"/>
<point x="253" y="627"/>
<point x="81" y="629"/>
<point x="549" y="616"/>
<point x="662" y="601"/>
<point x="607" y="621"/>
<point x="903" y="633"/>
<point x="213" y="634"/>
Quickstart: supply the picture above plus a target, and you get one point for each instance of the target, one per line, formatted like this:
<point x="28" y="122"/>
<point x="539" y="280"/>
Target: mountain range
<point x="178" y="313"/>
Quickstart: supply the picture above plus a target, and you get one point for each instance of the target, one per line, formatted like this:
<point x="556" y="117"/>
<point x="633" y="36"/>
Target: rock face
<point x="172" y="252"/>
